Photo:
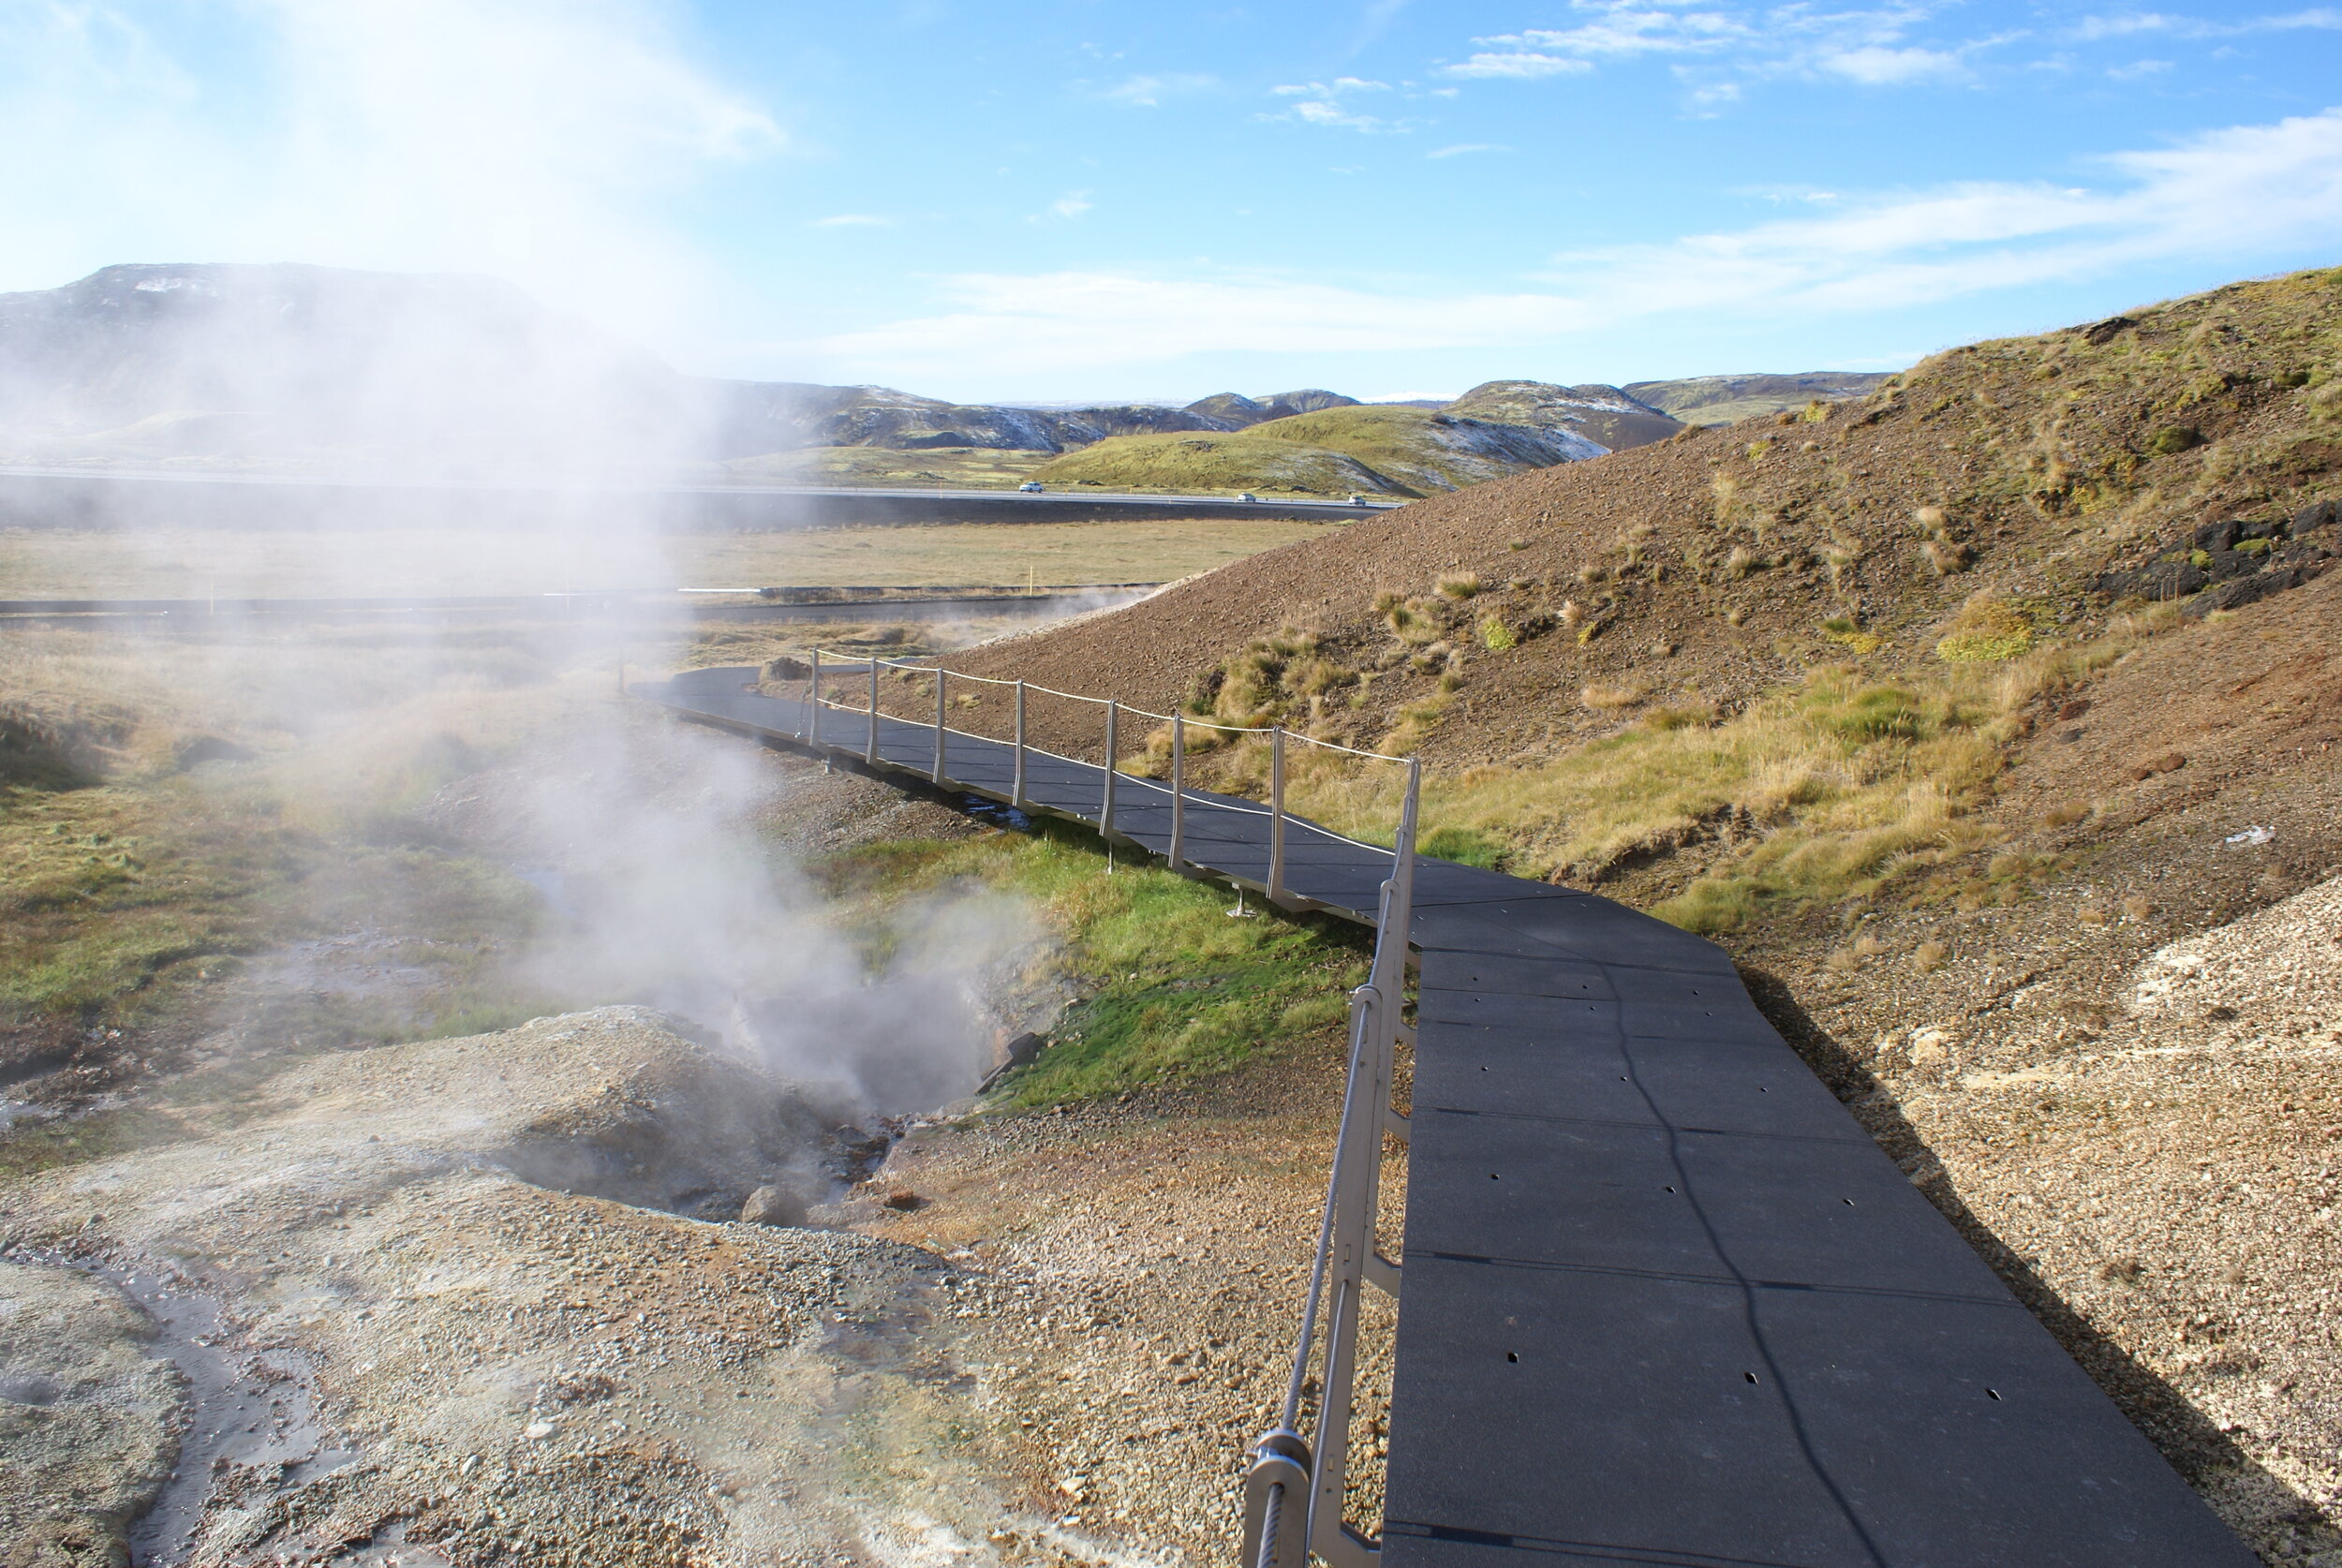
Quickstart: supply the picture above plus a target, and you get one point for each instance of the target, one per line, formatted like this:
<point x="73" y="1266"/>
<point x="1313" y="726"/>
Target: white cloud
<point x="1147" y="91"/>
<point x="1879" y="66"/>
<point x="1462" y="147"/>
<point x="1874" y="47"/>
<point x="2245" y="195"/>
<point x="2133" y="23"/>
<point x="2138" y="70"/>
<point x="850" y="220"/>
<point x="1072" y="204"/>
<point x="1321" y="104"/>
<point x="1519" y="65"/>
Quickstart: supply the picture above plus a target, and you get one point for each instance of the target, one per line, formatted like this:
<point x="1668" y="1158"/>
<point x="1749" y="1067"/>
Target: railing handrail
<point x="850" y="660"/>
<point x="1229" y="802"/>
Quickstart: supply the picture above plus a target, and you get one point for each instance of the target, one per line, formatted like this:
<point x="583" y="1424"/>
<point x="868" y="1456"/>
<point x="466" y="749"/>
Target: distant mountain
<point x="1240" y="412"/>
<point x="1725" y="399"/>
<point x="777" y="416"/>
<point x="1608" y="417"/>
<point x="320" y="369"/>
<point x="242" y="365"/>
<point x="1369" y="449"/>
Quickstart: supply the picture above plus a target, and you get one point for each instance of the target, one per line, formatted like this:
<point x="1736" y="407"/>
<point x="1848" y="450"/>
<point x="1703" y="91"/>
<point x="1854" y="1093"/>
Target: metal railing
<point x="1296" y="1484"/>
<point x="1283" y="823"/>
<point x="1294" y="1489"/>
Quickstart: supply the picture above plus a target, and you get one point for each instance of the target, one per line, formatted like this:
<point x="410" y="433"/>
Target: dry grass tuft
<point x="1609" y="694"/>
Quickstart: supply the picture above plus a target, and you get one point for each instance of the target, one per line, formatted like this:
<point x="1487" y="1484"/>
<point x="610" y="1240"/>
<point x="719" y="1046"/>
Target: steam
<point x="661" y="889"/>
<point x="460" y="143"/>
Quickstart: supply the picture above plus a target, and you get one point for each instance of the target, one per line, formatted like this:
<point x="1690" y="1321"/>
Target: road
<point x="52" y="497"/>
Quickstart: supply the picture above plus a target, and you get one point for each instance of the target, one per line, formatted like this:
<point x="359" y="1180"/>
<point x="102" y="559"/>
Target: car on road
<point x="1246" y="496"/>
<point x="1030" y="487"/>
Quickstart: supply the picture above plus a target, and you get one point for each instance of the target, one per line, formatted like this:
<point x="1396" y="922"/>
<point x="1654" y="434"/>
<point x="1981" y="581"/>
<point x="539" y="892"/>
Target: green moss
<point x="2174" y="439"/>
<point x="1174" y="987"/>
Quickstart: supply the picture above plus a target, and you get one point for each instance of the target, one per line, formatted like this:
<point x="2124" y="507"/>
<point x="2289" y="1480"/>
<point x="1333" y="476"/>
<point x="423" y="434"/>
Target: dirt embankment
<point x="1712" y="566"/>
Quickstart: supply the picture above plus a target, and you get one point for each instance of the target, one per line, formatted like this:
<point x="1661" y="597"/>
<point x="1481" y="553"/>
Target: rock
<point x="770" y="1206"/>
<point x="2170" y="761"/>
<point x="902" y="1198"/>
<point x="86" y="1416"/>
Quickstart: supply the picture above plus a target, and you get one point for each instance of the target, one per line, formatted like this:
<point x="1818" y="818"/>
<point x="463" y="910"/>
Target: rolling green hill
<point x="1366" y="449"/>
<point x="1231" y="461"/>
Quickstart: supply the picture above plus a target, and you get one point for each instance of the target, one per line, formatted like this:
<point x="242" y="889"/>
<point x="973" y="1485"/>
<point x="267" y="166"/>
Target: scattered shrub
<point x="2174" y="439"/>
<point x="1987" y="632"/>
<point x="1496" y="636"/>
<point x="1947" y="555"/>
<point x="1609" y="694"/>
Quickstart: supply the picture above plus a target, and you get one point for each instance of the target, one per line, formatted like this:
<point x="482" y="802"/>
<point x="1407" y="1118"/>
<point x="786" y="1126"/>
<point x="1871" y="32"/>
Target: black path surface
<point x="1664" y="1301"/>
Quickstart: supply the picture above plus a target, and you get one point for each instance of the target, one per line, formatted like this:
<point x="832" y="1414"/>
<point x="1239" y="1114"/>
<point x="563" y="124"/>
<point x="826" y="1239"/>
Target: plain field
<point x="74" y="564"/>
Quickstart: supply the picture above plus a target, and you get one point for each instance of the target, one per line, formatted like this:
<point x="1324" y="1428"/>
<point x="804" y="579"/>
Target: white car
<point x="1246" y="496"/>
<point x="1030" y="487"/>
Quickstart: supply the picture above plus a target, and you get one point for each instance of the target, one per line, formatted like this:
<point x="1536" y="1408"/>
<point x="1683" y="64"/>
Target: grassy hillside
<point x="1363" y="448"/>
<point x="1245" y="460"/>
<point x="1854" y="580"/>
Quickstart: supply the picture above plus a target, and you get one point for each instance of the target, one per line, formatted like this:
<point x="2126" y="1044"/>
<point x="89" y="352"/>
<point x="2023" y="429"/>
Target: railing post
<point x="1276" y="815"/>
<point x="813" y="701"/>
<point x="1178" y="790"/>
<point x="870" y="748"/>
<point x="1016" y="784"/>
<point x="1105" y="805"/>
<point x="937" y="772"/>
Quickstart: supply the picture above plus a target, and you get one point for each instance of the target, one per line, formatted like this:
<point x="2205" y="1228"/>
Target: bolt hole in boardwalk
<point x="1660" y="1299"/>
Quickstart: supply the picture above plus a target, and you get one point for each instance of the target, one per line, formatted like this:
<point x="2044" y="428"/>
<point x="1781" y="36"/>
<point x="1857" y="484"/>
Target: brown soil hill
<point x="1728" y="562"/>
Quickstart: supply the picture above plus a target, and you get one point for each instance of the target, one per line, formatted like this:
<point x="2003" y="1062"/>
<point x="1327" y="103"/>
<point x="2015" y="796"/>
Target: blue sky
<point x="1092" y="200"/>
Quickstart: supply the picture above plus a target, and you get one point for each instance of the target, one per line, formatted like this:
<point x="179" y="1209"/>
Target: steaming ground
<point x="278" y="1285"/>
<point x="471" y="1269"/>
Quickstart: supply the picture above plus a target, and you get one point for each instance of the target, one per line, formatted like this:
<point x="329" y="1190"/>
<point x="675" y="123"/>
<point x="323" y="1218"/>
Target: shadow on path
<point x="2275" y="1519"/>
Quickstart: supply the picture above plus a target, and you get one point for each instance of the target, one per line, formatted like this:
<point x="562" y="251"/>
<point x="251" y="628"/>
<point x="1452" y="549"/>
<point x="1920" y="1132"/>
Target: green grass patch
<point x="1465" y="847"/>
<point x="1174" y="987"/>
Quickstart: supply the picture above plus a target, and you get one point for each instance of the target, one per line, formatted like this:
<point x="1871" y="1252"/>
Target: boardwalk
<point x="1664" y="1301"/>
